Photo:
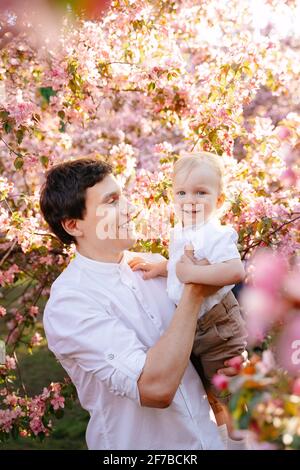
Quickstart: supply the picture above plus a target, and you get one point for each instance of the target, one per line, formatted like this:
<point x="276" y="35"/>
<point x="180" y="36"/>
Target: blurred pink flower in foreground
<point x="288" y="345"/>
<point x="271" y="301"/>
<point x="296" y="387"/>
<point x="264" y="300"/>
<point x="220" y="381"/>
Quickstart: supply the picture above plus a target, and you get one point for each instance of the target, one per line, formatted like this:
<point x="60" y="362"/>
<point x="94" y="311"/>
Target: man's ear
<point x="71" y="227"/>
<point x="221" y="200"/>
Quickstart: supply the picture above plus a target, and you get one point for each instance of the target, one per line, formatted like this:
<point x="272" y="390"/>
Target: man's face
<point x="107" y="223"/>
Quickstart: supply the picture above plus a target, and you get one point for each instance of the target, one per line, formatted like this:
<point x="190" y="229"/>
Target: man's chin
<point x="128" y="243"/>
<point x="128" y="238"/>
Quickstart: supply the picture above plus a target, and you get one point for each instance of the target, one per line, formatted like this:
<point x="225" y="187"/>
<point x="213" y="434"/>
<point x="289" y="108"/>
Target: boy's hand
<point x="183" y="267"/>
<point x="151" y="270"/>
<point x="231" y="371"/>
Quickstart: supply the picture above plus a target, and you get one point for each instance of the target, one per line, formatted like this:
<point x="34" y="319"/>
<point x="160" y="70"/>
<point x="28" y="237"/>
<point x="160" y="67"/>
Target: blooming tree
<point x="147" y="82"/>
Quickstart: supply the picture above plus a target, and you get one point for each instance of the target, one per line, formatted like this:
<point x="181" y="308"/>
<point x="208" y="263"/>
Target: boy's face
<point x="107" y="224"/>
<point x="196" y="194"/>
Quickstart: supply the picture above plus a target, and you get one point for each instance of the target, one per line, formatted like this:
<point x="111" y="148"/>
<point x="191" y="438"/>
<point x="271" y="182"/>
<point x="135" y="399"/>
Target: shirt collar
<point x="100" y="266"/>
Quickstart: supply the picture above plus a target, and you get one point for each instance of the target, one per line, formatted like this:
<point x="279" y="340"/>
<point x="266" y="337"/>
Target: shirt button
<point x="110" y="356"/>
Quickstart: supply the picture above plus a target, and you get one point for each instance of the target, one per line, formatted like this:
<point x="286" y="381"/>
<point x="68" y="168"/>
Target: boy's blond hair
<point x="189" y="160"/>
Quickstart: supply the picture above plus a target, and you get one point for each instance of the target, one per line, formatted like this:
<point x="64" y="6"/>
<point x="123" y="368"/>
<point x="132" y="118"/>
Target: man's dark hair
<point x="63" y="195"/>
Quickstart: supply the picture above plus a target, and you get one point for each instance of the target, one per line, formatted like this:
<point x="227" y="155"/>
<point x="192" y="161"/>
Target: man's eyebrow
<point x="106" y="196"/>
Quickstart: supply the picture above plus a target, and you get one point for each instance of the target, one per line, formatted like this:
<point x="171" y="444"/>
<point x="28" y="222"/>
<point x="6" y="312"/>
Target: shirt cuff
<point x="125" y="375"/>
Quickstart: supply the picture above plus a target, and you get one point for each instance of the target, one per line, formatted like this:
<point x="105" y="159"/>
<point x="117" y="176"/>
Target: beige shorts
<point x="220" y="335"/>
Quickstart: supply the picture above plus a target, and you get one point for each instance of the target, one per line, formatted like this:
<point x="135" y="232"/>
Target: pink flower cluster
<point x="8" y="277"/>
<point x="18" y="409"/>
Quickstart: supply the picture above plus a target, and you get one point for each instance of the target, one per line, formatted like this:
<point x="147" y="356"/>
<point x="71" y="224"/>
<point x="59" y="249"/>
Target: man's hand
<point x="182" y="271"/>
<point x="186" y="261"/>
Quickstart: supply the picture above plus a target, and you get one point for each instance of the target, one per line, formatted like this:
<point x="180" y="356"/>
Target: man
<point x="119" y="337"/>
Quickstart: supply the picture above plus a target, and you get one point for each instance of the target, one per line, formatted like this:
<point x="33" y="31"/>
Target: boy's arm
<point x="218" y="274"/>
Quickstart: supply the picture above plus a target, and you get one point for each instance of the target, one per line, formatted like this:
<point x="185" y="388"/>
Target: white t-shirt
<point x="100" y="321"/>
<point x="213" y="241"/>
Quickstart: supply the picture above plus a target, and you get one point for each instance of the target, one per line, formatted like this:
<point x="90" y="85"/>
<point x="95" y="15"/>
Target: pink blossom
<point x="22" y="111"/>
<point x="34" y="311"/>
<point x="7" y="277"/>
<point x="220" y="381"/>
<point x="296" y="387"/>
<point x="262" y="309"/>
<point x="283" y="132"/>
<point x="164" y="147"/>
<point x="36" y="425"/>
<point x="19" y="318"/>
<point x="55" y="387"/>
<point x="2" y="311"/>
<point x="269" y="271"/>
<point x="10" y="362"/>
<point x="289" y="178"/>
<point x="267" y="363"/>
<point x="11" y="400"/>
<point x="288" y="345"/>
<point x="235" y="362"/>
<point x="58" y="402"/>
<point x="36" y="339"/>
<point x="292" y="286"/>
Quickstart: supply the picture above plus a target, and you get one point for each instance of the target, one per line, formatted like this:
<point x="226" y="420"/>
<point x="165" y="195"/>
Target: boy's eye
<point x="181" y="193"/>
<point x="201" y="193"/>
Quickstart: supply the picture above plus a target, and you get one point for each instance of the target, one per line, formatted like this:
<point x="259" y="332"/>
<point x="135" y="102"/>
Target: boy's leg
<point x="220" y="335"/>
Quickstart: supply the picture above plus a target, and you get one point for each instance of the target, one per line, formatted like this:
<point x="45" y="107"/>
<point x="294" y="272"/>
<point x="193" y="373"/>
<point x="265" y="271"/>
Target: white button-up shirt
<point x="212" y="241"/>
<point x="100" y="321"/>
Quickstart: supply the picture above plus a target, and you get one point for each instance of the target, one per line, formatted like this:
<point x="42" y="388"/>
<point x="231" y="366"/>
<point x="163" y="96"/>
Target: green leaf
<point x="44" y="161"/>
<point x="61" y="114"/>
<point x="59" y="413"/>
<point x="151" y="86"/>
<point x="41" y="436"/>
<point x="7" y="127"/>
<point x="62" y="127"/>
<point x="244" y="421"/>
<point x="15" y="432"/>
<point x="4" y="115"/>
<point x="20" y="135"/>
<point x="19" y="162"/>
<point x="47" y="92"/>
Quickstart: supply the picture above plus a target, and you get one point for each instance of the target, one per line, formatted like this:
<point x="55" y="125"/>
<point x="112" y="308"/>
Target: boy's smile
<point x="196" y="194"/>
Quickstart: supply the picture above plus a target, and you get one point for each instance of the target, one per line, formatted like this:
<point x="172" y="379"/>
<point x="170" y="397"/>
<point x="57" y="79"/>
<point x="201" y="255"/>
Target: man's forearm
<point x="167" y="360"/>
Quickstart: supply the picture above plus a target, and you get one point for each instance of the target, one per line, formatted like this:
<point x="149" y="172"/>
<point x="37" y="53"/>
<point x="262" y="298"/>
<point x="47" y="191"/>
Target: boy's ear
<point x="221" y="200"/>
<point x="71" y="227"/>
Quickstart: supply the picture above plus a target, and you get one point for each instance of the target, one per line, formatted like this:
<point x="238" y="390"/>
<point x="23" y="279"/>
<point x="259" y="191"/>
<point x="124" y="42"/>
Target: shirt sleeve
<point x="221" y="245"/>
<point x="98" y="341"/>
